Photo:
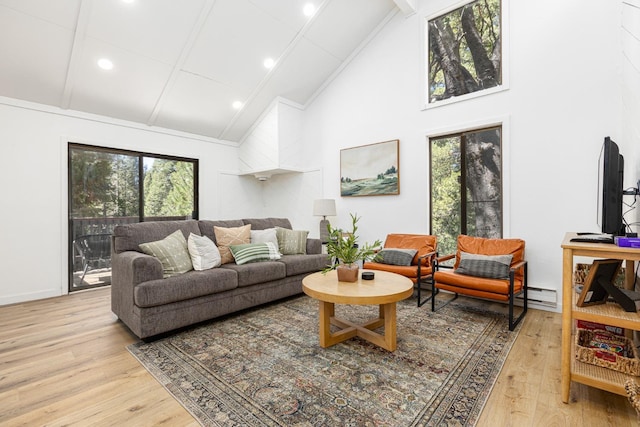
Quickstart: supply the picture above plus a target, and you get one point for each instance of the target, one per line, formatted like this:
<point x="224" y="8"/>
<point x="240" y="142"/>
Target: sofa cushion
<point x="227" y="236"/>
<point x="292" y="242"/>
<point x="127" y="237"/>
<point x="206" y="226"/>
<point x="301" y="264"/>
<point x="257" y="272"/>
<point x="489" y="266"/>
<point x="204" y="253"/>
<point x="254" y="252"/>
<point x="186" y="286"/>
<point x="172" y="252"/>
<point x="396" y="256"/>
<point x="264" y="223"/>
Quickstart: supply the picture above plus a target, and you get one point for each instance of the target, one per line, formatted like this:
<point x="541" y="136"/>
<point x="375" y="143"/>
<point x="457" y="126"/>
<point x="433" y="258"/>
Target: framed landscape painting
<point x="370" y="170"/>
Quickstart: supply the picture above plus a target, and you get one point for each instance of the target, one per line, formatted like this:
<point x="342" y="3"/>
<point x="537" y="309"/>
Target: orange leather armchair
<point x="419" y="269"/>
<point x="480" y="280"/>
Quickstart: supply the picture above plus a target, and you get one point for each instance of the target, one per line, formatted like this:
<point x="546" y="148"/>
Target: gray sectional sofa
<point x="150" y="304"/>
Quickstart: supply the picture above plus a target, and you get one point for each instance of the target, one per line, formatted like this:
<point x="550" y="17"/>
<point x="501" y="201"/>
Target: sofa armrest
<point x="128" y="269"/>
<point x="135" y="267"/>
<point x="314" y="246"/>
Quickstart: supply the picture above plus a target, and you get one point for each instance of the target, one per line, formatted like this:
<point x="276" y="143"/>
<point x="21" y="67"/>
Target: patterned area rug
<point x="264" y="367"/>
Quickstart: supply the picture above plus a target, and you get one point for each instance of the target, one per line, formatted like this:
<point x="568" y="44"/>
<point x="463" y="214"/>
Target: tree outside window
<point x="465" y="50"/>
<point x="466" y="186"/>
<point x="108" y="187"/>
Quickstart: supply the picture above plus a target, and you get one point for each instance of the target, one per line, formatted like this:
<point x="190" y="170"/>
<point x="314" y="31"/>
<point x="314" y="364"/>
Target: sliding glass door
<point x="108" y="187"/>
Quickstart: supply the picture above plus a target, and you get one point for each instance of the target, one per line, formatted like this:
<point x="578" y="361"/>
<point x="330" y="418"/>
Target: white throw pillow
<point x="204" y="253"/>
<point x="267" y="235"/>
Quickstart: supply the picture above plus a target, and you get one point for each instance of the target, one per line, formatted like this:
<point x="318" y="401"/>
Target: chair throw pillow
<point x="395" y="256"/>
<point x="254" y="252"/>
<point x="292" y="242"/>
<point x="488" y="266"/>
<point x="172" y="252"/>
<point x="204" y="253"/>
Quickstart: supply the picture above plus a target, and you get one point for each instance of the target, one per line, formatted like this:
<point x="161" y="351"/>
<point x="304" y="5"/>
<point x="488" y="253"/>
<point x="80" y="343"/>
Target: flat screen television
<point x="610" y="189"/>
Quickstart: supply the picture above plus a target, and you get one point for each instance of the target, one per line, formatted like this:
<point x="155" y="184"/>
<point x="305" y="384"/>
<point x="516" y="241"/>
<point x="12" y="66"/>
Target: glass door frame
<point x="140" y="217"/>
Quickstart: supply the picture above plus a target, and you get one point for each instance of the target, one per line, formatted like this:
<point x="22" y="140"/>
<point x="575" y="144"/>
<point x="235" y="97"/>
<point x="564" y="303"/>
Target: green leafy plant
<point x="344" y="246"/>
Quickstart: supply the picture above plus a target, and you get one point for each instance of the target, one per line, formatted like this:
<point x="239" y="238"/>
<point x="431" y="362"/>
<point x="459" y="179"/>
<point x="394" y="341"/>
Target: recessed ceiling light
<point x="269" y="63"/>
<point x="309" y="9"/>
<point x="105" y="64"/>
<point x="237" y="105"/>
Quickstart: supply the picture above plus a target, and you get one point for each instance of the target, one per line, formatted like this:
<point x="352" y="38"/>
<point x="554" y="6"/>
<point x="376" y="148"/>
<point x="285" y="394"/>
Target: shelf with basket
<point x="607" y="313"/>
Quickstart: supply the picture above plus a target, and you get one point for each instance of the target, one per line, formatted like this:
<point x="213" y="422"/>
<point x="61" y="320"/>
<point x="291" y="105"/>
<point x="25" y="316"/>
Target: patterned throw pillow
<point x="254" y="252"/>
<point x="489" y="266"/>
<point x="395" y="256"/>
<point x="204" y="253"/>
<point x="227" y="236"/>
<point x="172" y="252"/>
<point x="292" y="242"/>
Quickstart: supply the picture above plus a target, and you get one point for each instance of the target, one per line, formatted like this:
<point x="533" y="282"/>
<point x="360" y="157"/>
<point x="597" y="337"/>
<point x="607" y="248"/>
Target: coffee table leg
<point x="388" y="312"/>
<point x="327" y="311"/>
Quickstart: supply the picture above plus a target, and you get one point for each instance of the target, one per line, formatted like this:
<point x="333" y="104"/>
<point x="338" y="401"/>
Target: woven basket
<point x="604" y="358"/>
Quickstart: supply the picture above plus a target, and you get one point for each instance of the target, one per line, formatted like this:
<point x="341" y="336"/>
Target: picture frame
<point x="593" y="290"/>
<point x="370" y="170"/>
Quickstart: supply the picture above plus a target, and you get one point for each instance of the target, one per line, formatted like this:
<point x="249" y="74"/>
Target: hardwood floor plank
<point x="63" y="361"/>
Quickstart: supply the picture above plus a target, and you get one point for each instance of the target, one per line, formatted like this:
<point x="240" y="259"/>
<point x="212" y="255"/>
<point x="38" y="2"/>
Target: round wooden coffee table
<point x="385" y="290"/>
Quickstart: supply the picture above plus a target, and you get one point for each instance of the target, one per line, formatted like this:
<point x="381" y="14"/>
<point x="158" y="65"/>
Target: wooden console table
<point x="609" y="314"/>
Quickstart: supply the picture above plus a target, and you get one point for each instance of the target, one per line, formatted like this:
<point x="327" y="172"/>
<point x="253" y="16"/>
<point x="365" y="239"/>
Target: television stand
<point x="609" y="314"/>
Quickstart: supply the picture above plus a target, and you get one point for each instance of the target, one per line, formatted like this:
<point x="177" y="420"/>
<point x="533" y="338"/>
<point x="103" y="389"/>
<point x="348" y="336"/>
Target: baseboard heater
<point x="540" y="296"/>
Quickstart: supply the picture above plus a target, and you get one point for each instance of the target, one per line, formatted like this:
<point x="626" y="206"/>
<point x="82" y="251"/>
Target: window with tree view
<point x="466" y="186"/>
<point x="108" y="187"/>
<point x="465" y="50"/>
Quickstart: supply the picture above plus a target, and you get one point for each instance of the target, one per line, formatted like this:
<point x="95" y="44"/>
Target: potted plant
<point x="344" y="251"/>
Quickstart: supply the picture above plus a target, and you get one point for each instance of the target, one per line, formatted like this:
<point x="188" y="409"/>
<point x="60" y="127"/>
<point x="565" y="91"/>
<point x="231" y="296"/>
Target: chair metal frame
<point x="512" y="272"/>
<point x="428" y="280"/>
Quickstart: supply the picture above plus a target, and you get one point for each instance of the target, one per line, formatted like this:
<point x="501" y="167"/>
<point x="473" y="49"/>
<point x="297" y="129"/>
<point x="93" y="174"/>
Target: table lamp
<point x="324" y="208"/>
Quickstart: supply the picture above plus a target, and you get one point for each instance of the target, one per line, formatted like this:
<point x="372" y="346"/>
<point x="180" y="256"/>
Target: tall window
<point x="108" y="187"/>
<point x="464" y="50"/>
<point x="466" y="186"/>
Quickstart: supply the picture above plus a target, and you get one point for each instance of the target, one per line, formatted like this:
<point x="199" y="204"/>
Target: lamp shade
<point x="324" y="207"/>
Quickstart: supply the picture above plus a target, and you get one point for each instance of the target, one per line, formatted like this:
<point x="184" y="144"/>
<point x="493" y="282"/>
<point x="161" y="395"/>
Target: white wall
<point x="565" y="63"/>
<point x="562" y="101"/>
<point x="33" y="221"/>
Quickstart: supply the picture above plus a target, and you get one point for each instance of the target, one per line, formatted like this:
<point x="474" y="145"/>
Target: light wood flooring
<point x="63" y="362"/>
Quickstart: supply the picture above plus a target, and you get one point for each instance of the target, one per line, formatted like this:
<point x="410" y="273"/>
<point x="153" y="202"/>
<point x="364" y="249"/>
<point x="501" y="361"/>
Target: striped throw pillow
<point x="254" y="252"/>
<point x="489" y="266"/>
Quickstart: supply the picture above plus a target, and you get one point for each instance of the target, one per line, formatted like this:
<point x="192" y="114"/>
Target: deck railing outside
<point x="92" y="265"/>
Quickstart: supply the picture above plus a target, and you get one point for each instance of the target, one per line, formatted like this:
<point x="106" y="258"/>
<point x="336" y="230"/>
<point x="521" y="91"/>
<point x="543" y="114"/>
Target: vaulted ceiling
<point x="179" y="64"/>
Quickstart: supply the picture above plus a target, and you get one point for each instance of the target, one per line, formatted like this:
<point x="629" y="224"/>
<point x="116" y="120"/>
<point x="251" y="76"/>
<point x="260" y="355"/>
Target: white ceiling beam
<point x="76" y="52"/>
<point x="408" y="7"/>
<point x="186" y="49"/>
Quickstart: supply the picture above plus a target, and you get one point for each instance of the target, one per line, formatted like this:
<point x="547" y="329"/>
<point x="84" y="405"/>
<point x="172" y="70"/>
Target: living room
<point x="572" y="70"/>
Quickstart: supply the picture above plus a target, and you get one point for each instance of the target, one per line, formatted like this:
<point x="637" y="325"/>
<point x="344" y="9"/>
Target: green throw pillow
<point x="172" y="252"/>
<point x="292" y="242"/>
<point x="489" y="266"/>
<point x="254" y="252"/>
